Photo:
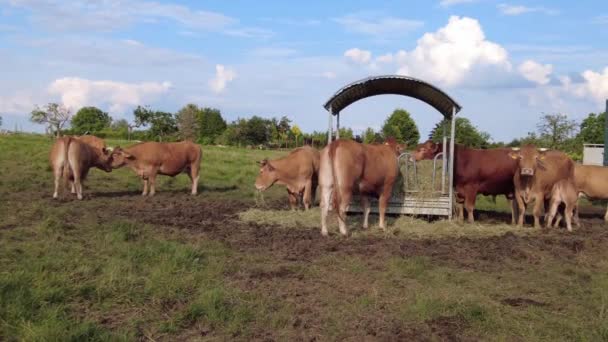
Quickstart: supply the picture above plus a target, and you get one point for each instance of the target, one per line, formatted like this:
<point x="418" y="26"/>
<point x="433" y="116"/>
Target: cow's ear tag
<point x="513" y="155"/>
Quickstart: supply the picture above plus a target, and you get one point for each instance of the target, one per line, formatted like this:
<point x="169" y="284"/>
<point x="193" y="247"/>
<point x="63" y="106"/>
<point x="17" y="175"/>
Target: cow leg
<point x="460" y="206"/>
<point x="145" y="192"/>
<point x="293" y="200"/>
<point x="194" y="176"/>
<point x="152" y="180"/>
<point x="576" y="219"/>
<point x="605" y="215"/>
<point x="521" y="209"/>
<point x="382" y="204"/>
<point x="568" y="213"/>
<point x="514" y="210"/>
<point x="366" y="210"/>
<point x="551" y="210"/>
<point x="345" y="197"/>
<point x="325" y="204"/>
<point x="469" y="202"/>
<point x="77" y="184"/>
<point x="307" y="194"/>
<point x="538" y="203"/>
<point x="57" y="173"/>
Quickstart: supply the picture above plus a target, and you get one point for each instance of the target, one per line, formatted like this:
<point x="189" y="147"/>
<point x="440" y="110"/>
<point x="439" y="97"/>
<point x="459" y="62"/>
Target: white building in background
<point x="593" y="154"/>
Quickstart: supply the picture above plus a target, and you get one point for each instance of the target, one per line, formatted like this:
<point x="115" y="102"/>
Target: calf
<point x="149" y="159"/>
<point x="487" y="172"/>
<point x="72" y="159"/>
<point x="298" y="171"/>
<point x="564" y="191"/>
<point x="592" y="181"/>
<point x="538" y="172"/>
<point x="347" y="166"/>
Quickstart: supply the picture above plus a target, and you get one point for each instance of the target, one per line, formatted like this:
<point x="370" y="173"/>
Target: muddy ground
<point x="277" y="263"/>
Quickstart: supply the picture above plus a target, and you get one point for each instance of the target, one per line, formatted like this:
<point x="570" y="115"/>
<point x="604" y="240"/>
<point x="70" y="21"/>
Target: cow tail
<point x="66" y="162"/>
<point x="336" y="193"/>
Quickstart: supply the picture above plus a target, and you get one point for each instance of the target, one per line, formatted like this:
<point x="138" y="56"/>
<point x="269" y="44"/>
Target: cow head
<point x="398" y="148"/>
<point x="426" y="150"/>
<point x="267" y="176"/>
<point x="104" y="159"/>
<point x="120" y="157"/>
<point x="529" y="159"/>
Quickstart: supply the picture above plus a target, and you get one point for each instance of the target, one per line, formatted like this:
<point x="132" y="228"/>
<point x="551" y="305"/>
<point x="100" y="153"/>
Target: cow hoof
<point x="79" y="197"/>
<point x="324" y="233"/>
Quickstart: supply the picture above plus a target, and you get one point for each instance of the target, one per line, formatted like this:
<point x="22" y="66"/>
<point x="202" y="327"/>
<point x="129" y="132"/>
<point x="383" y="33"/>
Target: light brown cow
<point x="298" y="171"/>
<point x="72" y="159"/>
<point x="347" y="166"/>
<point x="538" y="171"/>
<point x="592" y="181"/>
<point x="149" y="159"/>
<point x="564" y="192"/>
<point x="92" y="141"/>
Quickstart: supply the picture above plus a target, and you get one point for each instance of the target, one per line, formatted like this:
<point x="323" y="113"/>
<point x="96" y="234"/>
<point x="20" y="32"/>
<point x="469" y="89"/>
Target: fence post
<point x="606" y="135"/>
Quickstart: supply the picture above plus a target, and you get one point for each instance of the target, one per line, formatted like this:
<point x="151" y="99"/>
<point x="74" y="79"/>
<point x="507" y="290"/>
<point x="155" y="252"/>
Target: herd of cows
<point x="524" y="175"/>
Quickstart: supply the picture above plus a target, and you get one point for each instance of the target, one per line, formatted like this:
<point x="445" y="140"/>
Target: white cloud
<point x="449" y="55"/>
<point x="19" y="103"/>
<point x="270" y="52"/>
<point x="110" y="15"/>
<point x="388" y="58"/>
<point x="330" y="75"/>
<point x="507" y="9"/>
<point x="447" y="3"/>
<point x="535" y="72"/>
<point x="78" y="92"/>
<point x="358" y="56"/>
<point x="223" y="75"/>
<point x="595" y="85"/>
<point x="378" y="26"/>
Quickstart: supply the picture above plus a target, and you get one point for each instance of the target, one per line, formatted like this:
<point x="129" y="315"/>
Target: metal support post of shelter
<point x="606" y="135"/>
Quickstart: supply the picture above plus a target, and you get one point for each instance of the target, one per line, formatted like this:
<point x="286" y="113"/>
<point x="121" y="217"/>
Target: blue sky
<point x="505" y="62"/>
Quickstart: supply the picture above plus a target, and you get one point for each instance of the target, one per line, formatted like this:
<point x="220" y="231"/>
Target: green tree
<point x="592" y="129"/>
<point x="296" y="131"/>
<point x="187" y="122"/>
<point x="466" y="133"/>
<point x="0" y="120"/>
<point x="346" y="133"/>
<point x="256" y="131"/>
<point x="211" y="124"/>
<point x="556" y="129"/>
<point x="90" y="119"/>
<point x="400" y="126"/>
<point x="120" y="125"/>
<point x="161" y="124"/>
<point x="53" y="115"/>
<point x="370" y="136"/>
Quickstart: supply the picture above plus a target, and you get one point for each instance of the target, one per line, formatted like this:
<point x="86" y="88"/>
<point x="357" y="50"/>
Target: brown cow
<point x="538" y="171"/>
<point x="476" y="171"/>
<point x="93" y="141"/>
<point x="149" y="159"/>
<point x="592" y="181"/>
<point x="347" y="166"/>
<point x="298" y="171"/>
<point x="564" y="191"/>
<point x="73" y="158"/>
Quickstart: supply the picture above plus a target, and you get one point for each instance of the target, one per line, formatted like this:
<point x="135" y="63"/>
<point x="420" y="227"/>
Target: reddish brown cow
<point x="487" y="172"/>
<point x="298" y="171"/>
<point x="149" y="159"/>
<point x="538" y="172"/>
<point x="347" y="166"/>
<point x="73" y="158"/>
<point x="592" y="181"/>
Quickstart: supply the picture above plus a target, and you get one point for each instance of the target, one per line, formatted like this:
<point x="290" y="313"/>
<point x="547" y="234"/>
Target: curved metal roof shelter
<point x="396" y="85"/>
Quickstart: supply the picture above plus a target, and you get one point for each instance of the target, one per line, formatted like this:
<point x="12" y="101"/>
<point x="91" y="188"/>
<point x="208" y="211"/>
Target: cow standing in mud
<point x="476" y="171"/>
<point x="72" y="158"/>
<point x="347" y="166"/>
<point x="149" y="159"/>
<point x="540" y="176"/>
<point x="298" y="171"/>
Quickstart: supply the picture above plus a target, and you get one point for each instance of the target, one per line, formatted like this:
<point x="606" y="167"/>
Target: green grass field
<point x="225" y="265"/>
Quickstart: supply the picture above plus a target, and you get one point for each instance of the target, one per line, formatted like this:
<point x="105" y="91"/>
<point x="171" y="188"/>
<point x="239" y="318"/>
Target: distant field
<point x="227" y="265"/>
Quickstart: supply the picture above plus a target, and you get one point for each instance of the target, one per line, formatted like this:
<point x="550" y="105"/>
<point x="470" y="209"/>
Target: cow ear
<point x="270" y="167"/>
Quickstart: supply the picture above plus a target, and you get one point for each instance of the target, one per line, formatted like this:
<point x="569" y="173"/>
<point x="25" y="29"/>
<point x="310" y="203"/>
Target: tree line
<point x="206" y="125"/>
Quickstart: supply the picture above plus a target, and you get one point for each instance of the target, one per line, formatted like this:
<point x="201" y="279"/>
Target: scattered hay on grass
<point x="400" y="226"/>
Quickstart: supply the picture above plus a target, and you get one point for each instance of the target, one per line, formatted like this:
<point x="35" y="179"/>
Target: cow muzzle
<point x="526" y="171"/>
